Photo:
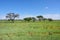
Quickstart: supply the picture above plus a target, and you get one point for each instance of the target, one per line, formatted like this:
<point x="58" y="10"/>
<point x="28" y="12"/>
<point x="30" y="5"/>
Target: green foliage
<point x="49" y="19"/>
<point x="28" y="19"/>
<point x="40" y="17"/>
<point x="12" y="16"/>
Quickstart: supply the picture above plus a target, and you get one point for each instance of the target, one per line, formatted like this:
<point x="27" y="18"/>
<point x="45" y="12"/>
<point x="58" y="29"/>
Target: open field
<point x="18" y="30"/>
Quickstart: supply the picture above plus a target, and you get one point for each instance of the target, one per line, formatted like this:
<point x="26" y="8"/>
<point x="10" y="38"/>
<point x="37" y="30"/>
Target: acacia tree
<point x="11" y="16"/>
<point x="28" y="19"/>
<point x="40" y="17"/>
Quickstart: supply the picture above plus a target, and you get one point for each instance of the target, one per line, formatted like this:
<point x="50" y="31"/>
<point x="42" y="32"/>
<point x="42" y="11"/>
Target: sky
<point x="30" y="8"/>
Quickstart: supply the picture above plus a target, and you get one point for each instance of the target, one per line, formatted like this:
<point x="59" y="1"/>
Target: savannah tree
<point x="11" y="17"/>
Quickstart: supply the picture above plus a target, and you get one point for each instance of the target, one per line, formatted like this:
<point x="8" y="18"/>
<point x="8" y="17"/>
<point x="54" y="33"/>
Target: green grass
<point x="30" y="30"/>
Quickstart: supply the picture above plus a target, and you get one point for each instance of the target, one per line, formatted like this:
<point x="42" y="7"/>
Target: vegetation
<point x="28" y="19"/>
<point x="40" y="17"/>
<point x="49" y="19"/>
<point x="33" y="29"/>
<point x="38" y="30"/>
<point x="12" y="16"/>
<point x="33" y="19"/>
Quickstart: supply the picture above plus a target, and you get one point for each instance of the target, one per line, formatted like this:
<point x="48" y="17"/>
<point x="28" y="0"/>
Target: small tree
<point x="12" y="16"/>
<point x="28" y="19"/>
<point x="49" y="19"/>
<point x="40" y="17"/>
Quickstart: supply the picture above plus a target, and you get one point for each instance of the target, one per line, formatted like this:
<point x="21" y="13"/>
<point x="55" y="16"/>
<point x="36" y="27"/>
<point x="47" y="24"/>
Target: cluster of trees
<point x="12" y="16"/>
<point x="40" y="18"/>
<point x="30" y="19"/>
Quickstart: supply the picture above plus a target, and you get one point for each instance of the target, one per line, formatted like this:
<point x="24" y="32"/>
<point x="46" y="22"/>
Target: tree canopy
<point x="12" y="16"/>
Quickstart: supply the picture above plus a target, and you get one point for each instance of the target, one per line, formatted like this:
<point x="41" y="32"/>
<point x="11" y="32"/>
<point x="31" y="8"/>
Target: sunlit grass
<point x="30" y="30"/>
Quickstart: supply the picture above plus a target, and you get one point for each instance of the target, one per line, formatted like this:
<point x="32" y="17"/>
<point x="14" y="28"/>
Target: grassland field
<point x="20" y="30"/>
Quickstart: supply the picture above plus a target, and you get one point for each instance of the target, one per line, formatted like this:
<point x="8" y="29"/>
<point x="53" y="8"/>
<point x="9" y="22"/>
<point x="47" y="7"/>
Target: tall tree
<point x="12" y="16"/>
<point x="40" y="17"/>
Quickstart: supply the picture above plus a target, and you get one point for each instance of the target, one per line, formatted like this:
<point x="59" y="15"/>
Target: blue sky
<point x="27" y="8"/>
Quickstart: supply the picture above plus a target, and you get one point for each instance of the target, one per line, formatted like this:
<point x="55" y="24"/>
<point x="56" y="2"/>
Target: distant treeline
<point x="12" y="17"/>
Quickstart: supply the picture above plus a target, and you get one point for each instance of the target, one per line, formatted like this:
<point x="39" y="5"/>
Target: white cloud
<point x="2" y="17"/>
<point x="24" y="16"/>
<point x="53" y="16"/>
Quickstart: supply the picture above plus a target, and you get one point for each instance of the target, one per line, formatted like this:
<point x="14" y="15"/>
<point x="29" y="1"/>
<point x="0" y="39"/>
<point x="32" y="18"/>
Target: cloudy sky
<point x="27" y="8"/>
